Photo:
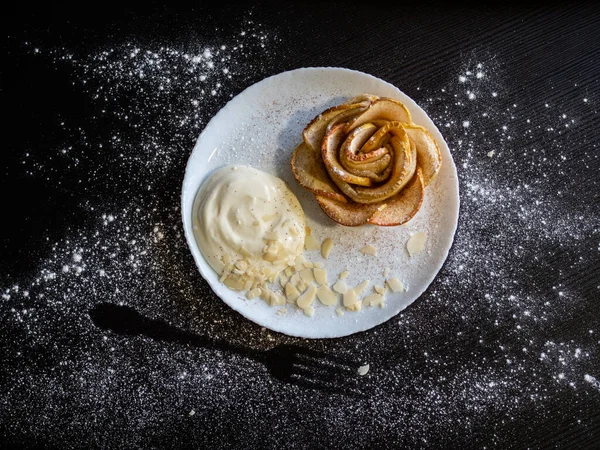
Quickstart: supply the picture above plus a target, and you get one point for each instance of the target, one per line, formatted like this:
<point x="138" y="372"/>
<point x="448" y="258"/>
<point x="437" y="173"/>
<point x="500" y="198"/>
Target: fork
<point x="311" y="369"/>
<point x="288" y="363"/>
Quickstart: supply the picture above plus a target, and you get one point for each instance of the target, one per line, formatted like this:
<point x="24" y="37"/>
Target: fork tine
<point x="328" y="356"/>
<point x="308" y="380"/>
<point x="327" y="376"/>
<point x="323" y="364"/>
<point x="322" y="371"/>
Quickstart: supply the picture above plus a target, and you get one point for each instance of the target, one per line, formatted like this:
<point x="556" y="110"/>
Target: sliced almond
<point x="326" y="295"/>
<point x="395" y="284"/>
<point x="344" y="275"/>
<point x="277" y="299"/>
<point x="350" y="298"/>
<point x="295" y="279"/>
<point x="283" y="279"/>
<point x="320" y="276"/>
<point x="302" y="285"/>
<point x="291" y="293"/>
<point x="363" y="370"/>
<point x="416" y="243"/>
<point x="307" y="275"/>
<point x="265" y="293"/>
<point x="253" y="293"/>
<point x="240" y="266"/>
<point x="361" y="287"/>
<point x="309" y="311"/>
<point x="373" y="300"/>
<point x="340" y="287"/>
<point x="270" y="256"/>
<point x="355" y="307"/>
<point x="326" y="247"/>
<point x="339" y="311"/>
<point x="381" y="290"/>
<point x="226" y="271"/>
<point x="234" y="284"/>
<point x="369" y="250"/>
<point x="307" y="298"/>
<point x="311" y="243"/>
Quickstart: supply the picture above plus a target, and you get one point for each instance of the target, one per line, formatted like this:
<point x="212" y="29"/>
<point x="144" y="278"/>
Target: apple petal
<point x="349" y="214"/>
<point x="429" y="158"/>
<point x="401" y="208"/>
<point x="315" y="131"/>
<point x="382" y="109"/>
<point x="310" y="172"/>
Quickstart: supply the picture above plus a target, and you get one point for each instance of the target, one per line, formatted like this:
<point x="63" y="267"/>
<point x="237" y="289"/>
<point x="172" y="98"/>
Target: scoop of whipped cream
<point x="248" y="225"/>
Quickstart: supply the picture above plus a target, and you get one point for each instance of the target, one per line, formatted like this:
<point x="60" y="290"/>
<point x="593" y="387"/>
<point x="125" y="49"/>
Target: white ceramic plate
<point x="261" y="127"/>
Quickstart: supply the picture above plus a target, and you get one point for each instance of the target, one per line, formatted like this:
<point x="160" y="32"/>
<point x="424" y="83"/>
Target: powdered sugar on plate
<point x="489" y="341"/>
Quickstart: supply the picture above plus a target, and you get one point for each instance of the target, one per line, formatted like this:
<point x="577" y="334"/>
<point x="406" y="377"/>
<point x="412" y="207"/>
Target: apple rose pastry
<point x="366" y="162"/>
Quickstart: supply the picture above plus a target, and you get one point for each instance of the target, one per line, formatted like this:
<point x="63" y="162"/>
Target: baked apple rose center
<point x="367" y="162"/>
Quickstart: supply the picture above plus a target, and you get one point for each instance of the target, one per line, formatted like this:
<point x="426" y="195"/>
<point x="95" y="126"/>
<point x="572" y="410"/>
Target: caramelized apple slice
<point x="429" y="158"/>
<point x="365" y="164"/>
<point x="369" y="98"/>
<point x="401" y="208"/>
<point x="315" y="131"/>
<point x="349" y="214"/>
<point x="310" y="172"/>
<point x="382" y="109"/>
<point x="331" y="147"/>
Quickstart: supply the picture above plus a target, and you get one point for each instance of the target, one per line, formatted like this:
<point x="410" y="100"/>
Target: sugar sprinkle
<point x="132" y="252"/>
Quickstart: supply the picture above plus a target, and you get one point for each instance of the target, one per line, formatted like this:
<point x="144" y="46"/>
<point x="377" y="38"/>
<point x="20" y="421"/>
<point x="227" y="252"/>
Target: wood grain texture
<point x="538" y="55"/>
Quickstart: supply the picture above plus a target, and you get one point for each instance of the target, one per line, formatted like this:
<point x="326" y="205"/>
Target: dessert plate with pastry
<point x="320" y="202"/>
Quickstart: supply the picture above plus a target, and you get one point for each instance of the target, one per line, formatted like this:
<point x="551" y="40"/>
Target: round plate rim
<point x="221" y="291"/>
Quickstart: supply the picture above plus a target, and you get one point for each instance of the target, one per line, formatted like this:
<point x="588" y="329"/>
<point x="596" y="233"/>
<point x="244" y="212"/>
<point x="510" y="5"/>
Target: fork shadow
<point x="288" y="363"/>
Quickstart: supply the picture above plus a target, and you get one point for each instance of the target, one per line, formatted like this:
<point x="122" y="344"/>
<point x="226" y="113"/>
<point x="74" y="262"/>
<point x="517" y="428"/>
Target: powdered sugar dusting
<point x="486" y="342"/>
<point x="593" y="381"/>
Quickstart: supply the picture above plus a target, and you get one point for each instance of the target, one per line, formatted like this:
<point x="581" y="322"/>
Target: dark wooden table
<point x="103" y="106"/>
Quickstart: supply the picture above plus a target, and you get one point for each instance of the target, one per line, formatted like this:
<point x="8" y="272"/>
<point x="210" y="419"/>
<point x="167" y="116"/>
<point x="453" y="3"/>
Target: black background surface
<point x="546" y="54"/>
